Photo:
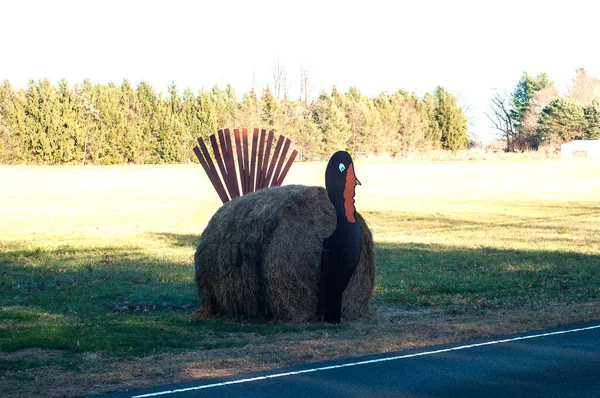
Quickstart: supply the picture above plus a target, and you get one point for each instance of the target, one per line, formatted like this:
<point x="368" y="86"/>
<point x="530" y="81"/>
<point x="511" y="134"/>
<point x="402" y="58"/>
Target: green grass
<point x="120" y="301"/>
<point x="100" y="259"/>
<point x="535" y="255"/>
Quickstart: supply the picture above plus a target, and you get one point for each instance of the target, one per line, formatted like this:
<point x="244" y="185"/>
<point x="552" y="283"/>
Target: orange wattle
<point x="349" y="193"/>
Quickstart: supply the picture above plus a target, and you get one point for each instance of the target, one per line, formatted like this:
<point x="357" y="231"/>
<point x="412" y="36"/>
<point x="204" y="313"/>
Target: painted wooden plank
<point x="266" y="159"/>
<point x="260" y="171"/>
<point x="211" y="172"/>
<point x="273" y="162"/>
<point x="246" y="160"/>
<point x="257" y="167"/>
<point x="280" y="162"/>
<point x="234" y="189"/>
<point x="253" y="160"/>
<point x="240" y="160"/>
<point x="287" y="167"/>
<point x="227" y="175"/>
<point x="219" y="158"/>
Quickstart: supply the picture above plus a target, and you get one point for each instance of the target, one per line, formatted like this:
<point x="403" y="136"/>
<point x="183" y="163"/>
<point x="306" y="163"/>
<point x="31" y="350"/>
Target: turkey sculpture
<point x="341" y="250"/>
<point x="274" y="252"/>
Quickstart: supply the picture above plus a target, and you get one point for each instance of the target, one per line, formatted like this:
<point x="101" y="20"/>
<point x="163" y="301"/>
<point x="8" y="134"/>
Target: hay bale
<point x="260" y="257"/>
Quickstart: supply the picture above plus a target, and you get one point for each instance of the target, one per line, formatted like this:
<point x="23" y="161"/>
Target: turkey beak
<point x="358" y="182"/>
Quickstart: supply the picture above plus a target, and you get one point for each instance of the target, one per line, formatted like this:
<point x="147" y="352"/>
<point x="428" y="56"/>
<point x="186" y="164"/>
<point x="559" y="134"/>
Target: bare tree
<point x="280" y="80"/>
<point x="253" y="89"/>
<point x="503" y="119"/>
<point x="527" y="137"/>
<point x="464" y="104"/>
<point x="305" y="86"/>
<point x="584" y="89"/>
<point x="411" y="136"/>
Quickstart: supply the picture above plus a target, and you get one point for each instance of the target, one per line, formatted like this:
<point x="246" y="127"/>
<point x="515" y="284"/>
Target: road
<point x="561" y="362"/>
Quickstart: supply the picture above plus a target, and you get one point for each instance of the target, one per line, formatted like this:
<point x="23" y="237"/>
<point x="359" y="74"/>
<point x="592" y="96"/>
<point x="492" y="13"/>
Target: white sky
<point x="468" y="47"/>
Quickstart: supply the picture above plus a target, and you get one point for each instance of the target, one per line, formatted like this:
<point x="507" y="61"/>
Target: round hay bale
<point x="260" y="257"/>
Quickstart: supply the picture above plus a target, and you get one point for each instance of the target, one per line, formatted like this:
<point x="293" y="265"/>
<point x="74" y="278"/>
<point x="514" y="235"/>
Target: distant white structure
<point x="581" y="149"/>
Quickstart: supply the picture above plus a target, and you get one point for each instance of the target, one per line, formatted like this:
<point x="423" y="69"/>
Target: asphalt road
<point x="562" y="362"/>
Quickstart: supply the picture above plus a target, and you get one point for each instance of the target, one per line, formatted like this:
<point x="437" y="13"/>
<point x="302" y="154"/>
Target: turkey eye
<point x="342" y="167"/>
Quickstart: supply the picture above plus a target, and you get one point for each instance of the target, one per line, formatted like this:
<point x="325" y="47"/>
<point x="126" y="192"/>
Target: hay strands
<point x="256" y="167"/>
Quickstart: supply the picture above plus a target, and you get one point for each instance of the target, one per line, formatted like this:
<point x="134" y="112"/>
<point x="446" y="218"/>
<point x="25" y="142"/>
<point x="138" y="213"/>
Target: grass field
<point x="96" y="268"/>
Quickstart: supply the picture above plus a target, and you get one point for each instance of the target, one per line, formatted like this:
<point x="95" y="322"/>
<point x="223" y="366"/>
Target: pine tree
<point x="207" y="114"/>
<point x="268" y="106"/>
<point x="333" y="127"/>
<point x="69" y="127"/>
<point x="592" y="117"/>
<point x="13" y="144"/>
<point x="39" y="123"/>
<point x="388" y="125"/>
<point x="523" y="93"/>
<point x="412" y="123"/>
<point x="249" y="110"/>
<point x="433" y="132"/>
<point x="451" y="121"/>
<point x="562" y="120"/>
<point x="359" y="111"/>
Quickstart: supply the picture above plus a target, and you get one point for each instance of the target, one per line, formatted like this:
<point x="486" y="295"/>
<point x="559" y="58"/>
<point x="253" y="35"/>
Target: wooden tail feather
<point x="272" y="163"/>
<point x="281" y="160"/>
<point x="255" y="173"/>
<point x="240" y="159"/>
<point x="253" y="160"/>
<point x="287" y="167"/>
<point x="234" y="188"/>
<point x="265" y="163"/>
<point x="246" y="162"/>
<point x="261" y="154"/>
<point x="209" y="168"/>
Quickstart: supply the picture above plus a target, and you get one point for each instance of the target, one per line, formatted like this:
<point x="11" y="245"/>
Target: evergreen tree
<point x="152" y="115"/>
<point x="388" y="125"/>
<point x="433" y="132"/>
<point x="306" y="132"/>
<point x="225" y="106"/>
<point x="170" y="135"/>
<point x="40" y="120"/>
<point x="69" y="130"/>
<point x="592" y="117"/>
<point x="13" y="140"/>
<point x="191" y="123"/>
<point x="562" y="120"/>
<point x="268" y="106"/>
<point x="133" y="149"/>
<point x="527" y="86"/>
<point x="412" y="122"/>
<point x="207" y="114"/>
<point x="334" y="130"/>
<point x="451" y="121"/>
<point x="360" y="115"/>
<point x="250" y="110"/>
<point x="108" y="124"/>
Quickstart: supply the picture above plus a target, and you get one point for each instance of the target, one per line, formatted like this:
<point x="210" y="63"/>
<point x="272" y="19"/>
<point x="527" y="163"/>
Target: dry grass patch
<point x="387" y="330"/>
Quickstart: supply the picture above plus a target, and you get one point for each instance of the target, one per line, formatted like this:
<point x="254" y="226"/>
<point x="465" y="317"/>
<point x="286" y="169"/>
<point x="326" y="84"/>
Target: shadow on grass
<point x="114" y="299"/>
<point x="418" y="275"/>
<point x="498" y="220"/>
<point x="177" y="240"/>
<point x="126" y="301"/>
<point x="120" y="301"/>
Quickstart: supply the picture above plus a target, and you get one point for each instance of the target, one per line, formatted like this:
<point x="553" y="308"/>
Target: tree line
<point x="535" y="116"/>
<point x="87" y="123"/>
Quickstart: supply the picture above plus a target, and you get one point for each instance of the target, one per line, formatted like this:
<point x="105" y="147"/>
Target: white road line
<point x="345" y="365"/>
